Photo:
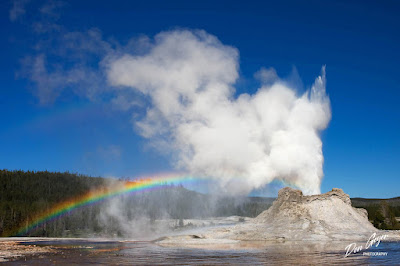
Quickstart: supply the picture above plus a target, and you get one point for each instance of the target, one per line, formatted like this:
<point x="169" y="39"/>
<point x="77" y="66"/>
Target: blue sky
<point x="79" y="132"/>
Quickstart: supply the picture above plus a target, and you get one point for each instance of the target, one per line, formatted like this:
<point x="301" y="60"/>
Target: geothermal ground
<point x="293" y="221"/>
<point x="295" y="217"/>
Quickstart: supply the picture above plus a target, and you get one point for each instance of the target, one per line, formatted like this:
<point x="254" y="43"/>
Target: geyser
<point x="244" y="141"/>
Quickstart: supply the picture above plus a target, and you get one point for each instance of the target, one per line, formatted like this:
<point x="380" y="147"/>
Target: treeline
<point x="25" y="194"/>
<point x="382" y="213"/>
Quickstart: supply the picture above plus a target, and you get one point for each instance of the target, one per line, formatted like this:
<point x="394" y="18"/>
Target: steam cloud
<point x="244" y="141"/>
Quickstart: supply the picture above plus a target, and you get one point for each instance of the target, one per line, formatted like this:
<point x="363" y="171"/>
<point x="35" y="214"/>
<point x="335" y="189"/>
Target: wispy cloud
<point x="267" y="75"/>
<point x="72" y="65"/>
<point x="51" y="8"/>
<point x="65" y="62"/>
<point x="79" y="79"/>
<point x="18" y="9"/>
<point x="110" y="152"/>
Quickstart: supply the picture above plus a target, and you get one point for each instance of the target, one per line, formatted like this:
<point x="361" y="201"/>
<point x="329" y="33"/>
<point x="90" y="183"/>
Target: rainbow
<point x="100" y="194"/>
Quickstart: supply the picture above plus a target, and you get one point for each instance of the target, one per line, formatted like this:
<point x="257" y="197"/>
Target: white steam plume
<point x="244" y="141"/>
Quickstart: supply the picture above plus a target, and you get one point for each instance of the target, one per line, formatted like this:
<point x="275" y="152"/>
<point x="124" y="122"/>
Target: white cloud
<point x="244" y="142"/>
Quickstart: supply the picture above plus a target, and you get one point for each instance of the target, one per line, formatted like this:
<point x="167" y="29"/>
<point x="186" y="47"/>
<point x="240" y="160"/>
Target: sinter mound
<point x="328" y="215"/>
<point x="294" y="216"/>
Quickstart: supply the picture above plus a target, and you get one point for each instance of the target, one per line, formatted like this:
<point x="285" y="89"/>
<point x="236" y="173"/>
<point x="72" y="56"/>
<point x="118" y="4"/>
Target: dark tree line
<point x="25" y="194"/>
<point x="381" y="213"/>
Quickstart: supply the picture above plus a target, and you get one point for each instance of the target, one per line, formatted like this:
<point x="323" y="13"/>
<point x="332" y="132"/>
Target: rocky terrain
<point x="295" y="217"/>
<point x="11" y="248"/>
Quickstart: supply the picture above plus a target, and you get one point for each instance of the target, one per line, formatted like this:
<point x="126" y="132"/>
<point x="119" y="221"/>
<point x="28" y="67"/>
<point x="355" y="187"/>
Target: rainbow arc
<point x="101" y="194"/>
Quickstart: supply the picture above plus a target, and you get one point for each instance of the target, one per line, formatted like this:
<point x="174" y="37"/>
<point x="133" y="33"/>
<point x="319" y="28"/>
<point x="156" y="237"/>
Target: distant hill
<point x="368" y="202"/>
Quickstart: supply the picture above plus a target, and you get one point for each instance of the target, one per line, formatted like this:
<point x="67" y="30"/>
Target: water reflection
<point x="245" y="253"/>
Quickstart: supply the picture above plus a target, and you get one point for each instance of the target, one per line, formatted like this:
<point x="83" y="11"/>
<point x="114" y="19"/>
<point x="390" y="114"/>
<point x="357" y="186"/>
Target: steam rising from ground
<point x="244" y="141"/>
